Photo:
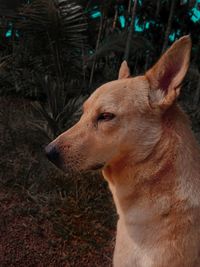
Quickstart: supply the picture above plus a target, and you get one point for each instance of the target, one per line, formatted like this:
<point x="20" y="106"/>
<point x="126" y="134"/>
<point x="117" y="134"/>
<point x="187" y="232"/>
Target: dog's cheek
<point x="107" y="130"/>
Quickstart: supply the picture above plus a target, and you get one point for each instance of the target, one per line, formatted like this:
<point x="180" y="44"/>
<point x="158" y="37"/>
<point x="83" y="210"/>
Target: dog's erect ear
<point x="124" y="71"/>
<point x="166" y="75"/>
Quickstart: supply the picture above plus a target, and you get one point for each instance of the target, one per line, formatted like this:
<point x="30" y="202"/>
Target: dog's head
<point x="122" y="118"/>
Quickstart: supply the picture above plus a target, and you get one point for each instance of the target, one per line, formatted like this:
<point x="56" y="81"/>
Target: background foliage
<point x="58" y="50"/>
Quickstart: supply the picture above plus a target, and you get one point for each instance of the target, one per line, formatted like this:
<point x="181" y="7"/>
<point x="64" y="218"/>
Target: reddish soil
<point x="28" y="236"/>
<point x="46" y="217"/>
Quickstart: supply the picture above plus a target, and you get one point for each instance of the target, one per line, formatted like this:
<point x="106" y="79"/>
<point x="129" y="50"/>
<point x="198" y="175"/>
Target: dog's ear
<point x="166" y="76"/>
<point x="124" y="71"/>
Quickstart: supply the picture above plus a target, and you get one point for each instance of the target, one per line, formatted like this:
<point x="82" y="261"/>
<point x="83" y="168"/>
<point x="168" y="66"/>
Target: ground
<point x="48" y="218"/>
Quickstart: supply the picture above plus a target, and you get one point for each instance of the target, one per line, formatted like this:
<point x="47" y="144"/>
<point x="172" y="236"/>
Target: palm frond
<point x="61" y="20"/>
<point x="60" y="110"/>
<point x="116" y="43"/>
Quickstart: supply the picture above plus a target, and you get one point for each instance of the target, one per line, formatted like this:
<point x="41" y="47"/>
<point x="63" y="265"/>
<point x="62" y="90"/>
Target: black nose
<point x="52" y="154"/>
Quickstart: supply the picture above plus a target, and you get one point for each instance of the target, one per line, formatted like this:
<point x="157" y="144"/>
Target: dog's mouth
<point x="53" y="154"/>
<point x="96" y="167"/>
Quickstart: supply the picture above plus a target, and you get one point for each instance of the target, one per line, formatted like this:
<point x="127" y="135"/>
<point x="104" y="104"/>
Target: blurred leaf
<point x="56" y="21"/>
<point x="115" y="43"/>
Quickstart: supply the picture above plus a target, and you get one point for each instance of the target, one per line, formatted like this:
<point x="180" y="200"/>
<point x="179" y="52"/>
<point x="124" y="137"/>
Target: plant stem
<point x="97" y="46"/>
<point x="169" y="24"/>
<point x="128" y="42"/>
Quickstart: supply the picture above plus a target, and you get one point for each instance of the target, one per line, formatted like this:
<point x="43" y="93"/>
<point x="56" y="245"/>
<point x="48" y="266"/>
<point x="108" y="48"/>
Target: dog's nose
<point x="52" y="154"/>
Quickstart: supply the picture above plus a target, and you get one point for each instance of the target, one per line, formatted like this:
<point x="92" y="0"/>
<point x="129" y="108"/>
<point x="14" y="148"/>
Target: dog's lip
<point x="97" y="166"/>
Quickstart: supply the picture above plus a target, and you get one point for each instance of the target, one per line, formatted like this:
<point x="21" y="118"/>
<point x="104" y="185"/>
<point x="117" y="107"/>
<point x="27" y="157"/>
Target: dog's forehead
<point x="113" y="93"/>
<point x="107" y="95"/>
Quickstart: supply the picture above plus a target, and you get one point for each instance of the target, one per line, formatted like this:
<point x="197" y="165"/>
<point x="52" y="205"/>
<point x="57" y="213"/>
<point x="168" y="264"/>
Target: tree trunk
<point x="128" y="41"/>
<point x="197" y="95"/>
<point x="129" y="6"/>
<point x="169" y="24"/>
<point x="157" y="8"/>
<point x="127" y="15"/>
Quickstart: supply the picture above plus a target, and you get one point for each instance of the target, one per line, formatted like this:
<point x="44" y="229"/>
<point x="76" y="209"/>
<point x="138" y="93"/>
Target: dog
<point x="135" y="132"/>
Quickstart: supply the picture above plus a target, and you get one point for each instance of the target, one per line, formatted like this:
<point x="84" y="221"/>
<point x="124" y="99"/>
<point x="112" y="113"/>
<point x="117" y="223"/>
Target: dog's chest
<point x="127" y="252"/>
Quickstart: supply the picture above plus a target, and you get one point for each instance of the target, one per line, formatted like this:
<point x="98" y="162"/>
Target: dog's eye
<point x="106" y="116"/>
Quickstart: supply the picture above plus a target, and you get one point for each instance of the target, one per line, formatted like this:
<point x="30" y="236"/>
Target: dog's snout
<point x="52" y="154"/>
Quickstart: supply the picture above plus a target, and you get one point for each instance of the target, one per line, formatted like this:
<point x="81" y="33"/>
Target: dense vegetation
<point x="58" y="51"/>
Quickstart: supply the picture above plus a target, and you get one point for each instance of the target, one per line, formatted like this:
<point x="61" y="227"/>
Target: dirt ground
<point x="48" y="218"/>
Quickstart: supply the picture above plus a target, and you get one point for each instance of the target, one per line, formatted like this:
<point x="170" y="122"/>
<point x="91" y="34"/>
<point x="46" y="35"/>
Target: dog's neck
<point x="164" y="178"/>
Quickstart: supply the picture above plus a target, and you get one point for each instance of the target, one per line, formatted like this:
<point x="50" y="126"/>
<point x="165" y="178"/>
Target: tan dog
<point x="133" y="129"/>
